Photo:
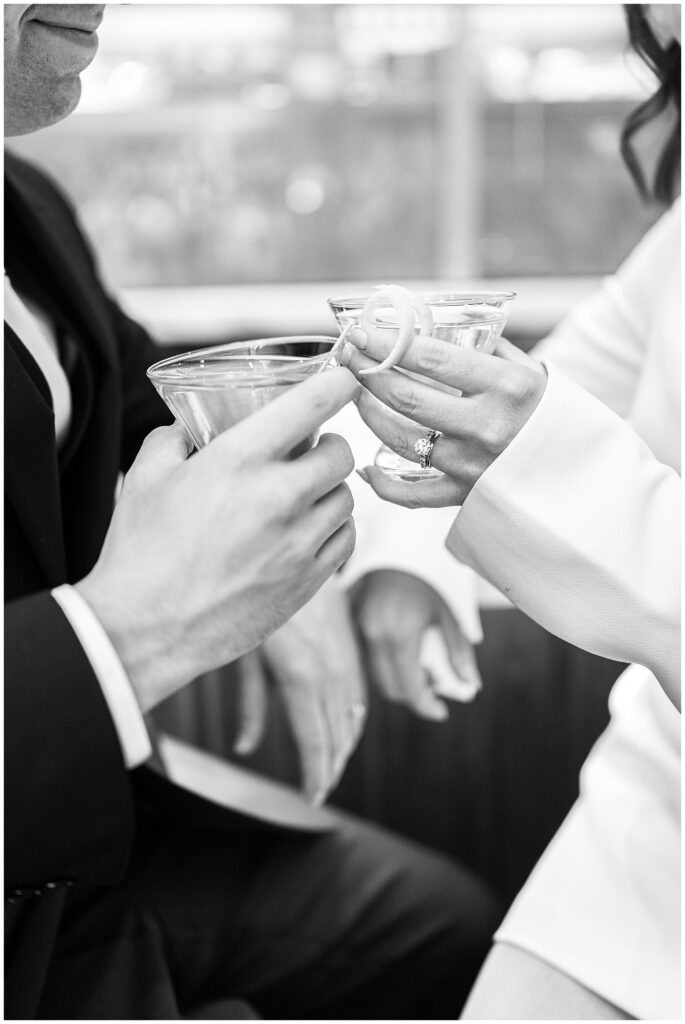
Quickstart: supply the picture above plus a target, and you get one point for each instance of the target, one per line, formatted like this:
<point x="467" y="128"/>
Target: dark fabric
<point x="69" y="807"/>
<point x="123" y="899"/>
<point x="347" y="925"/>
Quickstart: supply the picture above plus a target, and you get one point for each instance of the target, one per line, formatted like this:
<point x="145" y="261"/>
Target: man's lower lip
<point x="80" y="36"/>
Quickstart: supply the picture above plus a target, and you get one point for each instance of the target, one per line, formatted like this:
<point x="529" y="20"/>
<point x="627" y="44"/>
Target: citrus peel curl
<point x="412" y="311"/>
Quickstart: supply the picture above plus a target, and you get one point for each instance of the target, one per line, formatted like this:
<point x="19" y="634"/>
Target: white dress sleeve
<point x="602" y="343"/>
<point x="579" y="525"/>
<point x="578" y="520"/>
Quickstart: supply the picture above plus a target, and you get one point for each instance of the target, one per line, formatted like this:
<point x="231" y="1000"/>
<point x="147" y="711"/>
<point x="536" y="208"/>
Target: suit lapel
<point x="31" y="472"/>
<point x="46" y="258"/>
<point x="45" y="237"/>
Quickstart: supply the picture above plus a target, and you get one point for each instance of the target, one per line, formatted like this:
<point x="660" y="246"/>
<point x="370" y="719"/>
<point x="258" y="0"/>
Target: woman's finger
<point x="398" y="432"/>
<point x="401" y="434"/>
<point x="419" y="402"/>
<point x="505" y="350"/>
<point x="437" y="492"/>
<point x="466" y="369"/>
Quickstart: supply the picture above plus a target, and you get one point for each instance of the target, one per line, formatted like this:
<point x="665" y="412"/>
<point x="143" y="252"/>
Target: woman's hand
<point x="315" y="661"/>
<point x="393" y="610"/>
<point x="499" y="393"/>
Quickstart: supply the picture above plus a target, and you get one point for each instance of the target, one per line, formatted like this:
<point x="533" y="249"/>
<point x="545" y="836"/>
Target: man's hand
<point x="205" y="557"/>
<point x="393" y="610"/>
<point x="316" y="663"/>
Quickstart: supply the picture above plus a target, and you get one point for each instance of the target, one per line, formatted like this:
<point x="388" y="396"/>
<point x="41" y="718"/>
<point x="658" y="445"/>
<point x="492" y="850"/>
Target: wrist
<point x="153" y="670"/>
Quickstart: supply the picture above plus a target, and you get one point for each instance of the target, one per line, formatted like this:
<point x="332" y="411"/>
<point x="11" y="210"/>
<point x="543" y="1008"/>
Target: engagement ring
<point x="424" y="448"/>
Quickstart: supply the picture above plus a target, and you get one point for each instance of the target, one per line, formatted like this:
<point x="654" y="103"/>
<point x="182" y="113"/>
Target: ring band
<point x="424" y="448"/>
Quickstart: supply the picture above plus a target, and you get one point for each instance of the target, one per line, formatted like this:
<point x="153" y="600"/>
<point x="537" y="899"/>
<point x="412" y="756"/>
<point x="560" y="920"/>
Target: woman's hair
<point x="665" y="64"/>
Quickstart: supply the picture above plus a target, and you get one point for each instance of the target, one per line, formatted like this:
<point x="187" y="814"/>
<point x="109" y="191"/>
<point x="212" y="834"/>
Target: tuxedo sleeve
<point x="68" y="806"/>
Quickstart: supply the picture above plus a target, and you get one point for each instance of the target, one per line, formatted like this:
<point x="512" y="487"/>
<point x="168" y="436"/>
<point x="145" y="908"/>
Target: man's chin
<point x="27" y="117"/>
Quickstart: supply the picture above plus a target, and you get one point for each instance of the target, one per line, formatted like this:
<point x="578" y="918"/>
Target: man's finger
<point x="413" y="681"/>
<point x="275" y="430"/>
<point x="381" y="667"/>
<point x="252" y="704"/>
<point x="311" y="735"/>
<point x="321" y="469"/>
<point x="162" y="450"/>
<point x="328" y="515"/>
<point x="460" y="652"/>
<point x="340" y="729"/>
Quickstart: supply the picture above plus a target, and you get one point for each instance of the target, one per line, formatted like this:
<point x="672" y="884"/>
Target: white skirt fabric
<point x="603" y="903"/>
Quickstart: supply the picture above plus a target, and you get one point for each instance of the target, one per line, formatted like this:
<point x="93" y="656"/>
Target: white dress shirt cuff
<point x="116" y="688"/>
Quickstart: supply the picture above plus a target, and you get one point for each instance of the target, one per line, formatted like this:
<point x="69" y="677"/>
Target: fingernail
<point x="242" y="746"/>
<point x="363" y="474"/>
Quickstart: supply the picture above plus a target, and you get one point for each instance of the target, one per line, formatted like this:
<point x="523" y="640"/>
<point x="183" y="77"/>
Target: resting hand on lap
<point x="205" y="557"/>
<point x="393" y="610"/>
<point x="499" y="394"/>
<point x="315" y="661"/>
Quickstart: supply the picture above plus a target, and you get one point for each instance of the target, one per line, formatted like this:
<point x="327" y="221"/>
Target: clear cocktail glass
<point x="211" y="389"/>
<point x="472" y="320"/>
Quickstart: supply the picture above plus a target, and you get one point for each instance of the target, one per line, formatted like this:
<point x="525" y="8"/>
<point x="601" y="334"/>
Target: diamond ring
<point x="424" y="448"/>
<point x="357" y="710"/>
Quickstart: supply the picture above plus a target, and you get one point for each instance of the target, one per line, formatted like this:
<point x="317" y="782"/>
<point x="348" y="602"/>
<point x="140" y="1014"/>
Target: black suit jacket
<point x="68" y="798"/>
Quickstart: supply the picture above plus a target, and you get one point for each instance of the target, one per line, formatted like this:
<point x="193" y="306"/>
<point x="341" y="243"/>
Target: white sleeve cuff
<point x="116" y="688"/>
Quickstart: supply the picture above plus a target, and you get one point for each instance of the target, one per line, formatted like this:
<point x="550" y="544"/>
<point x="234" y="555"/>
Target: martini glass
<point x="472" y="320"/>
<point x="211" y="389"/>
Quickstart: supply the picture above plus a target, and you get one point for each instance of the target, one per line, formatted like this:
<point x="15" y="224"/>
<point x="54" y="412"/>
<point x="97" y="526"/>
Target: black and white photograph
<point x="342" y="525"/>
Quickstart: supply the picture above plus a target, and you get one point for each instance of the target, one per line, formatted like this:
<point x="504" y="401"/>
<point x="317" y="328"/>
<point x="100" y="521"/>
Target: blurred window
<point x="280" y="143"/>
